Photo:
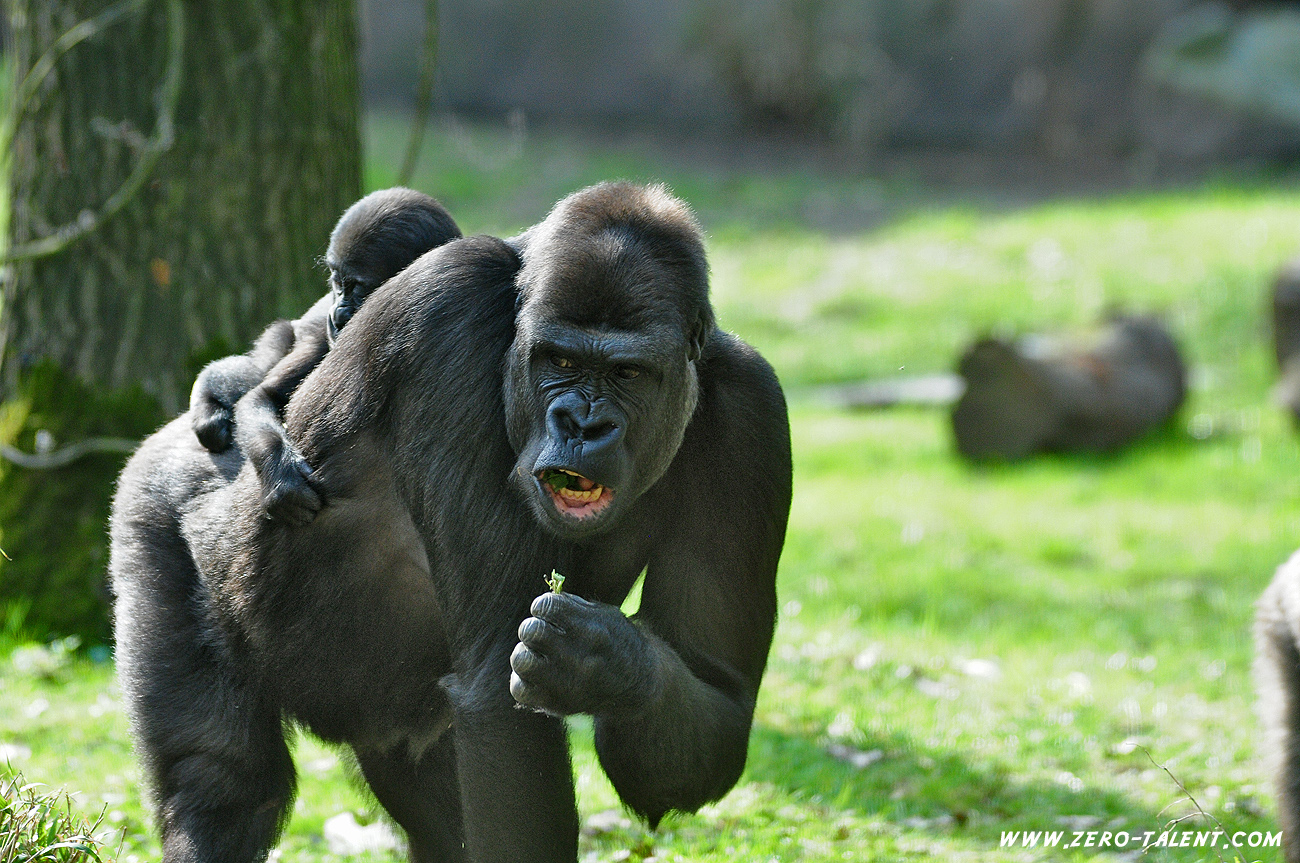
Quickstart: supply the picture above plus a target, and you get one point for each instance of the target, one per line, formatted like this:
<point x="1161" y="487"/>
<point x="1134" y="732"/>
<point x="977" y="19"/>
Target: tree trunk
<point x="224" y="236"/>
<point x="221" y="237"/>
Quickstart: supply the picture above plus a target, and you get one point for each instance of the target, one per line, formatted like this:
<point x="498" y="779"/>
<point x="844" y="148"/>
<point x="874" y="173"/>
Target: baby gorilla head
<point x="375" y="240"/>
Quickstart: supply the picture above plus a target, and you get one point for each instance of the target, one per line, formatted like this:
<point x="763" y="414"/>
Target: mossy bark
<point x="104" y="336"/>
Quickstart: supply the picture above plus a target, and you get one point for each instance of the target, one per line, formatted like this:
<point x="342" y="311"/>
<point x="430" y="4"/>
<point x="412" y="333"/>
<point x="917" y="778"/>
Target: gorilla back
<point x="405" y="621"/>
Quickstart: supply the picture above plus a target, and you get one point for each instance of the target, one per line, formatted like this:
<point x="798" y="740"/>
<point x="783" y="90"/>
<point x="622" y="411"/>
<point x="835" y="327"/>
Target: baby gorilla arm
<point x="285" y="476"/>
<point x="224" y="382"/>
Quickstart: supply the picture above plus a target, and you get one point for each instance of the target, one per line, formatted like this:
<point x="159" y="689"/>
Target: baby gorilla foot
<point x="214" y="424"/>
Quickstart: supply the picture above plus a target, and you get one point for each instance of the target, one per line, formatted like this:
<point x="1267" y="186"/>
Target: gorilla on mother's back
<point x="495" y="412"/>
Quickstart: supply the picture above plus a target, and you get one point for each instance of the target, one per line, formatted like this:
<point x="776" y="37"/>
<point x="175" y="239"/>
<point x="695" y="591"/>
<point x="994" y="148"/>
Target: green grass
<point x="1011" y="648"/>
<point x="37" y="826"/>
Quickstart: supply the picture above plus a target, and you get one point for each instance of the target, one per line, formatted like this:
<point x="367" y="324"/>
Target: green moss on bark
<point x="53" y="523"/>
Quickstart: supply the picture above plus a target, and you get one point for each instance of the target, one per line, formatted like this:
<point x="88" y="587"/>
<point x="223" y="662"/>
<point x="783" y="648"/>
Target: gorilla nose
<point x="573" y="420"/>
<point x="340" y="315"/>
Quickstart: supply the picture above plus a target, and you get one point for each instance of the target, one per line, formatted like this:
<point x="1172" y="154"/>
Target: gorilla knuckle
<point x="534" y="631"/>
<point x="554" y="608"/>
<point x="524" y="660"/>
<point x="597" y="636"/>
<point x="519" y="690"/>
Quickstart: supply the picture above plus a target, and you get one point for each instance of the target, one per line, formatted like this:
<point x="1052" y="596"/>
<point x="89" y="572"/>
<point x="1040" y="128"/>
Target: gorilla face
<point x="600" y="381"/>
<point x="374" y="240"/>
<point x="349" y="292"/>
<point x="596" y="416"/>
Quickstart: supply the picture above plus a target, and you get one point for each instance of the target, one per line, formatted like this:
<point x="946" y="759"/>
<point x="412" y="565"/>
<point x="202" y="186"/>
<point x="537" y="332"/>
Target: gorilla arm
<point x="673" y="690"/>
<point x="224" y="382"/>
<point x="287" y="493"/>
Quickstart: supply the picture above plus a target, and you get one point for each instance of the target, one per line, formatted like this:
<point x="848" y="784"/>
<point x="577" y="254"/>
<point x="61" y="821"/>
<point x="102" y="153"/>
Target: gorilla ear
<point x="698" y="337"/>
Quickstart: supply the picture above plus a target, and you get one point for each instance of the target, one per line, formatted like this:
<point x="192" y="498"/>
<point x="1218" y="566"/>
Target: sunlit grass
<point x="999" y="648"/>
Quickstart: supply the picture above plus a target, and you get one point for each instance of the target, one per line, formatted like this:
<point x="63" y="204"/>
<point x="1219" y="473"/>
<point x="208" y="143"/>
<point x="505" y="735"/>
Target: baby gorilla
<point x="373" y="241"/>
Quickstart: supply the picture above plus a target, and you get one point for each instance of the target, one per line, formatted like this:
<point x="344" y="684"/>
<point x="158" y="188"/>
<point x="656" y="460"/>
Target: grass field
<point x="1061" y="645"/>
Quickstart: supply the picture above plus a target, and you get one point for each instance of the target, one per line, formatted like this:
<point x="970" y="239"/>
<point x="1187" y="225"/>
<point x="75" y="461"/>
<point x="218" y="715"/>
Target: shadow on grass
<point x="941" y="791"/>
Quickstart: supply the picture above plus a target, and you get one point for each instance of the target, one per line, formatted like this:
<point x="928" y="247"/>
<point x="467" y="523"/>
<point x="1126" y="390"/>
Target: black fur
<point x="405" y="619"/>
<point x="374" y="240"/>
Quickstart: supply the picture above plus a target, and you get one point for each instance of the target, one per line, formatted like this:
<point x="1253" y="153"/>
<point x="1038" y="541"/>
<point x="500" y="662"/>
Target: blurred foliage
<point x="1249" y="63"/>
<point x="1047" y="75"/>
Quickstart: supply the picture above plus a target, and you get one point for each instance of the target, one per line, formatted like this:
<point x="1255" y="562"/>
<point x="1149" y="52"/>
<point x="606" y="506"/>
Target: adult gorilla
<point x="627" y="434"/>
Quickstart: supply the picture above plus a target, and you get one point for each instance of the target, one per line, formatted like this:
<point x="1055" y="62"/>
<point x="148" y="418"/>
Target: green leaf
<point x="555" y="582"/>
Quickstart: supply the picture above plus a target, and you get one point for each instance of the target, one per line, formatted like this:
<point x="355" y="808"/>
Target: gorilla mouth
<point x="573" y="494"/>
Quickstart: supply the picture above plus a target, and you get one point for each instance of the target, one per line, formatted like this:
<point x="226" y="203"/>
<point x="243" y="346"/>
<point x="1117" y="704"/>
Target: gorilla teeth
<point x="572" y="494"/>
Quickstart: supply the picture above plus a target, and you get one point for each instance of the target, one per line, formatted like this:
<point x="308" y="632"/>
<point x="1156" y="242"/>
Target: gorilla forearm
<point x="499" y="747"/>
<point x="684" y="748"/>
<point x="286" y="493"/>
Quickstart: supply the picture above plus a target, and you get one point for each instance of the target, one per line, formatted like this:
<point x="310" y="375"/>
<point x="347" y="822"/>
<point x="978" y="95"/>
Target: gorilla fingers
<point x="576" y="656"/>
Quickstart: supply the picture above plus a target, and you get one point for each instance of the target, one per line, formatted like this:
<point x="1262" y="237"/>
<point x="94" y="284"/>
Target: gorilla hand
<point x="288" y="494"/>
<point x="576" y="656"/>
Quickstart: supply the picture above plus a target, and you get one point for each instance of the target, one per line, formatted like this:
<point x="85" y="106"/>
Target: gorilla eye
<point x="561" y="362"/>
<point x="627" y="372"/>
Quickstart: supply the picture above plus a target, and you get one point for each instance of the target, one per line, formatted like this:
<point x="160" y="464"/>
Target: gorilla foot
<point x="214" y="425"/>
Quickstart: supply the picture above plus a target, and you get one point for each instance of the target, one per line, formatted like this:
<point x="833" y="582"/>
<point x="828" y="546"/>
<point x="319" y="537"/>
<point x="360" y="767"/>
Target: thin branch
<point x="67" y="455"/>
<point x="41" y="69"/>
<point x="151" y="151"/>
<point x="423" y="93"/>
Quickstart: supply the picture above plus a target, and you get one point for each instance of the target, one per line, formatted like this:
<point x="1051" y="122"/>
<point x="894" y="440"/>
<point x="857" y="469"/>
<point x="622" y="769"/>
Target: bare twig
<point x="67" y="455"/>
<point x="151" y="150"/>
<point x="1183" y="788"/>
<point x="423" y="93"/>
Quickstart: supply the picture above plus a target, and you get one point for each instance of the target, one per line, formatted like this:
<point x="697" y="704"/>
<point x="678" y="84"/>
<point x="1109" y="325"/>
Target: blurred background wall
<point x="1057" y="76"/>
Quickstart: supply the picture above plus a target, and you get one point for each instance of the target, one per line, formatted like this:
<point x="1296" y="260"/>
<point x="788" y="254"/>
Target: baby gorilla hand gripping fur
<point x="405" y="621"/>
<point x="243" y="397"/>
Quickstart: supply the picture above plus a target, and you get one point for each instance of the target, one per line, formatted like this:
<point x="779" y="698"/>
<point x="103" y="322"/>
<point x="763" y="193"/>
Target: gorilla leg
<point x="214" y="748"/>
<point x="221" y="806"/>
<point x="422" y="796"/>
<point x="1277" y="675"/>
